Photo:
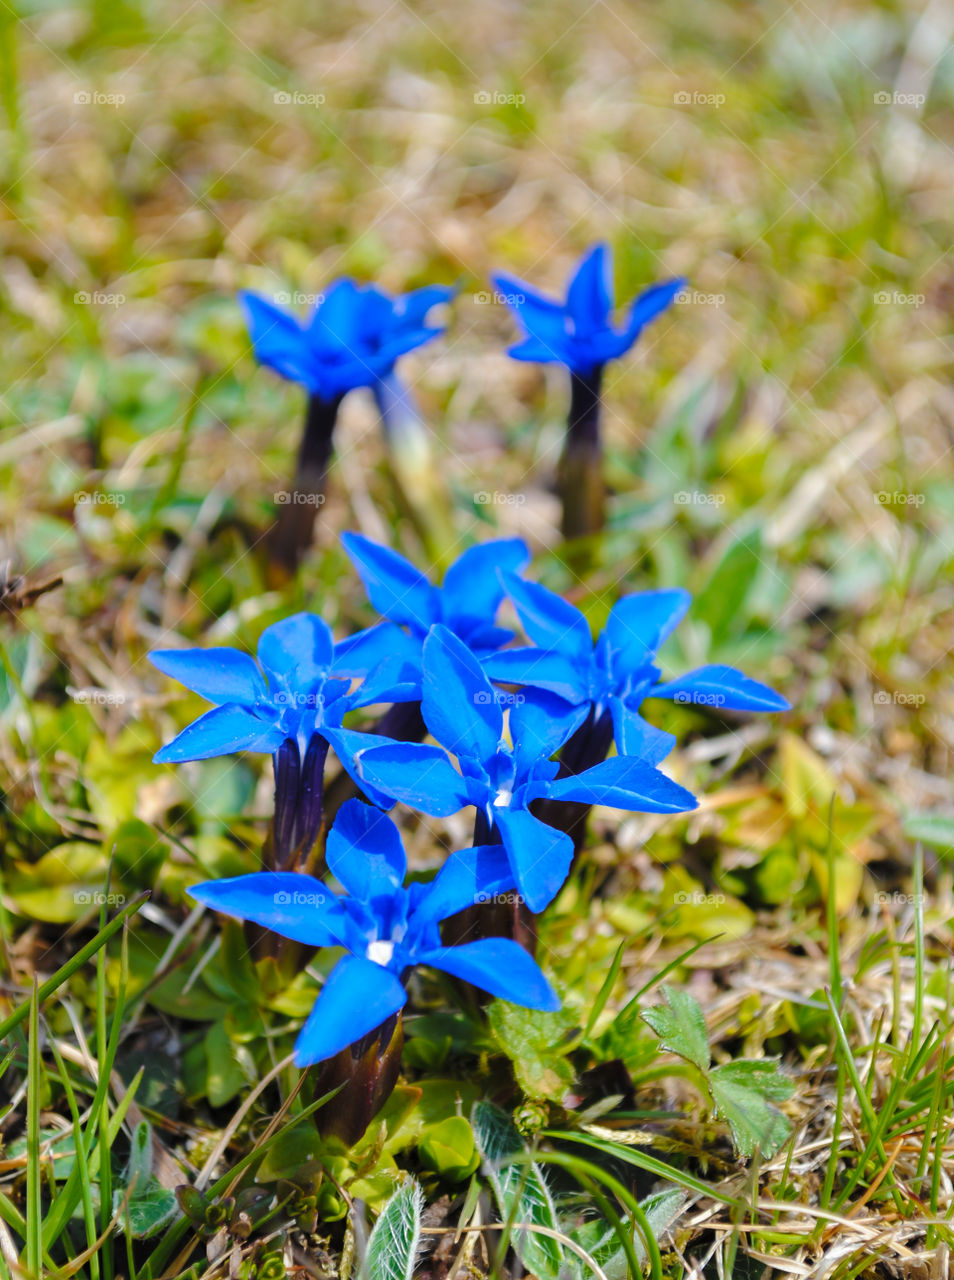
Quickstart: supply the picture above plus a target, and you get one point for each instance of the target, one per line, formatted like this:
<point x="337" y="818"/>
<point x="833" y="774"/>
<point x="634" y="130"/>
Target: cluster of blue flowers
<point x="439" y="647"/>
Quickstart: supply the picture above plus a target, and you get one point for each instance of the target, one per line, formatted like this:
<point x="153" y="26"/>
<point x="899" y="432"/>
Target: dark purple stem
<point x="581" y="466"/>
<point x="292" y="533"/>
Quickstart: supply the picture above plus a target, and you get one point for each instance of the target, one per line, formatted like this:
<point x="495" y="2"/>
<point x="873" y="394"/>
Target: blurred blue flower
<point x="466" y="603"/>
<point x="462" y="711"/>
<point x="579" y="332"/>
<point x="384" y="928"/>
<point x="352" y="339"/>
<point x="283" y="705"/>
<point x="613" y="676"/>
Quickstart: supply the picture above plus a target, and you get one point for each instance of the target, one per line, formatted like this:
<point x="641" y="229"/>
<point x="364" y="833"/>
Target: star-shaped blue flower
<point x="352" y="339"/>
<point x="283" y="705"/>
<point x="466" y="602"/>
<point x="462" y="711"/>
<point x="579" y="332"/>
<point x="384" y="928"/>
<point x="613" y="676"/>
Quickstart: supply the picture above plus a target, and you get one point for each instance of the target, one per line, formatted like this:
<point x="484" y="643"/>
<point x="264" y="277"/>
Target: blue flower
<point x="579" y="332"/>
<point x="466" y="603"/>
<point x="613" y="676"/>
<point x="353" y="338"/>
<point x="284" y="705"/>
<point x="462" y="711"/>
<point x="384" y="928"/>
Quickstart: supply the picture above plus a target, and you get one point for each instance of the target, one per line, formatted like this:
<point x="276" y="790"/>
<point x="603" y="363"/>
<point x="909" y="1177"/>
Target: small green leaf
<point x="448" y="1148"/>
<point x="536" y="1043"/>
<point x="394" y="1241"/>
<point x="935" y="829"/>
<point x="602" y="1243"/>
<point x="744" y="1092"/>
<point x="681" y="1027"/>
<point x="521" y="1192"/>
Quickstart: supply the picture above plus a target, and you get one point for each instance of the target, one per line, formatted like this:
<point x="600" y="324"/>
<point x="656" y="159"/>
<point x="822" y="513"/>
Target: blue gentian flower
<point x="283" y="705"/>
<point x="353" y="338"/>
<point x="579" y="332"/>
<point x="466" y="603"/>
<point x="462" y="711"/>
<point x="385" y="929"/>
<point x="612" y="677"/>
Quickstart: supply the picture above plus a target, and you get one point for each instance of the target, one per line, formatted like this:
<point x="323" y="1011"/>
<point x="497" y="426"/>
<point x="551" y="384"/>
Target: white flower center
<point x="503" y="798"/>
<point x="381" y="951"/>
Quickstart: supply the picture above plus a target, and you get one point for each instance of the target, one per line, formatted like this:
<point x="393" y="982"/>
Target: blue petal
<point x="559" y="673"/>
<point x="394" y="680"/>
<point x="296" y="906"/>
<point x="638" y="624"/>
<point x="624" y="782"/>
<point x="220" y="732"/>
<point x="414" y="306"/>
<point x="637" y="737"/>
<point x="588" y="298"/>
<point x="299" y="648"/>
<point x="721" y="687"/>
<point x="536" y="351"/>
<point x="650" y="303"/>
<point x="472" y="590"/>
<point x="540" y="723"/>
<point x="416" y="774"/>
<point x="364" y="852"/>
<point x="358" y="996"/>
<point x="539" y="315"/>
<point x="361" y="653"/>
<point x="458" y="702"/>
<point x="395" y="588"/>
<point x="335" y="322"/>
<point x="279" y="341"/>
<point x="468" y="876"/>
<point x="548" y="619"/>
<point x="348" y="745"/>
<point x="540" y="855"/>
<point x="499" y="966"/>
<point x="219" y="675"/>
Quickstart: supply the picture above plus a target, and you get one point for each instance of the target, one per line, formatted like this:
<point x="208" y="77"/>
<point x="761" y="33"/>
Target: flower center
<point x="381" y="951"/>
<point x="503" y="798"/>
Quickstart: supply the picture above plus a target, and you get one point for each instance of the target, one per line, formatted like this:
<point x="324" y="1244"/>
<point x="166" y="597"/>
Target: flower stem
<point x="292" y="532"/>
<point x="580" y="473"/>
<point x="368" y="1070"/>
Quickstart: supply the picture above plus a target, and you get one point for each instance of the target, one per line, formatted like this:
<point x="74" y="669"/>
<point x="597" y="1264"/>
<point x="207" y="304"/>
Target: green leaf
<point x="144" y="1204"/>
<point x="227" y="1072"/>
<point x="744" y="1092"/>
<point x="532" y="1041"/>
<point x="521" y="1191"/>
<point x="602" y="1243"/>
<point x="721" y="601"/>
<point x="448" y="1148"/>
<point x="394" y="1241"/>
<point x="681" y="1027"/>
<point x="935" y="829"/>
